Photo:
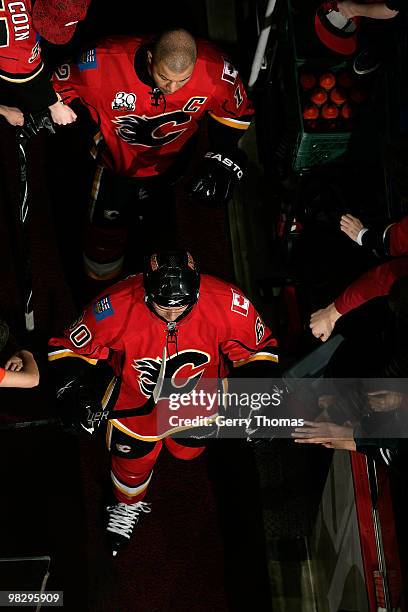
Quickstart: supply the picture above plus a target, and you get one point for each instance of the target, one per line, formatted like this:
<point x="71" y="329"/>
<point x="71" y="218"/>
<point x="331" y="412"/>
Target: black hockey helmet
<point x="171" y="278"/>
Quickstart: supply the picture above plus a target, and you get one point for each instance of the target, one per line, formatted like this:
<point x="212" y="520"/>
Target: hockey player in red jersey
<point x="167" y="325"/>
<point x="56" y="20"/>
<point x="25" y="79"/>
<point x="148" y="97"/>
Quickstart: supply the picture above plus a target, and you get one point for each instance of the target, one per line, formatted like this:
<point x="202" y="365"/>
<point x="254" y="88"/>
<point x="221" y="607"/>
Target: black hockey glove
<point x="81" y="412"/>
<point x="216" y="178"/>
<point x="34" y="122"/>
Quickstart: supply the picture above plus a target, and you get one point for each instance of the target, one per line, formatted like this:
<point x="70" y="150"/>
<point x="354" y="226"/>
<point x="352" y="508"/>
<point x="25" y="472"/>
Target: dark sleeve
<point x="376" y="240"/>
<point x="378" y="430"/>
<point x="391" y="240"/>
<point x="371" y="446"/>
<point x="223" y="138"/>
<point x="69" y="374"/>
<point x="34" y="95"/>
<point x="263" y="369"/>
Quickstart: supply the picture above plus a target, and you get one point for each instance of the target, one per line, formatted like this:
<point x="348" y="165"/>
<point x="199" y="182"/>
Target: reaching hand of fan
<point x="12" y="115"/>
<point x="373" y="10"/>
<point x="348" y="9"/>
<point x="351" y="226"/>
<point x="322" y="322"/>
<point x="20" y="371"/>
<point x="329" y="435"/>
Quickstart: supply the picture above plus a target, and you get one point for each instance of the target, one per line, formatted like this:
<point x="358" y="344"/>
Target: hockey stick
<point x="58" y="422"/>
<point x="32" y="125"/>
<point x="25" y="241"/>
<point x="113" y="415"/>
<point x="105" y="415"/>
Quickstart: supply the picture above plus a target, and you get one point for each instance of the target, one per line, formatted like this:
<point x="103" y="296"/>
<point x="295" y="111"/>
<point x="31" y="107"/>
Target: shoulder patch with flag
<point x="103" y="308"/>
<point x="240" y="304"/>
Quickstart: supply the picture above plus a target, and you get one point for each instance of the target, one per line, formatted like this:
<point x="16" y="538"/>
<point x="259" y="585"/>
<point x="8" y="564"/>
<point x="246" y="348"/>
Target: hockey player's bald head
<point x="177" y="49"/>
<point x="172" y="59"/>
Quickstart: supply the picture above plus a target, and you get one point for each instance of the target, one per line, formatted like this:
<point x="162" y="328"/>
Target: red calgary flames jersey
<point x="398" y="237"/>
<point x="20" y="58"/>
<point x="223" y="330"/>
<point x="144" y="129"/>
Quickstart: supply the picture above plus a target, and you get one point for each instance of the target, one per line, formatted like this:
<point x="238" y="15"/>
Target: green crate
<point x="315" y="148"/>
<point x="363" y="142"/>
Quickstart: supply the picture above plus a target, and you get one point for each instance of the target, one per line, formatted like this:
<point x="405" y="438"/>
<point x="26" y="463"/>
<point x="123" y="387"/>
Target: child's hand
<point x="62" y="114"/>
<point x="348" y="9"/>
<point x="14" y="364"/>
<point x="13" y="115"/>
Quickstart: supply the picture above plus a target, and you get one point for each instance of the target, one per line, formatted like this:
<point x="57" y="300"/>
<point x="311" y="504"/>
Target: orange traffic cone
<point x="327" y="80"/>
<point x="338" y="96"/>
<point x="310" y="111"/>
<point x="318" y="97"/>
<point x="330" y="111"/>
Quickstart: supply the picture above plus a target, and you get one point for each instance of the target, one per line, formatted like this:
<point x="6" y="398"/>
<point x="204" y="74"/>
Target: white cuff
<point x="360" y="235"/>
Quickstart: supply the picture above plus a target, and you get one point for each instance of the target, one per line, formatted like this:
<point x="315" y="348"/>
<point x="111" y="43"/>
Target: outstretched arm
<point x="322" y="322"/>
<point x="20" y="371"/>
<point x="384" y="241"/>
<point x="329" y="435"/>
<point x="374" y="283"/>
<point x="374" y="10"/>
